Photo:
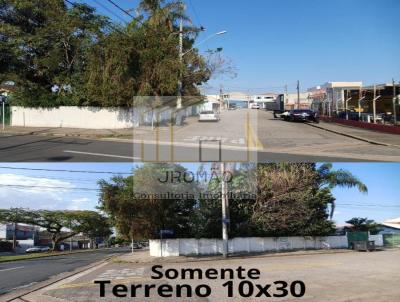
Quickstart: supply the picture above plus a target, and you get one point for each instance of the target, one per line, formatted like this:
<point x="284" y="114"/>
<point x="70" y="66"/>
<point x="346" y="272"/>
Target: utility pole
<point x="4" y="111"/>
<point x="394" y="103"/>
<point x="179" y="101"/>
<point x="298" y="94"/>
<point x="221" y="98"/>
<point x="374" y="105"/>
<point x="225" y="219"/>
<point x="70" y="238"/>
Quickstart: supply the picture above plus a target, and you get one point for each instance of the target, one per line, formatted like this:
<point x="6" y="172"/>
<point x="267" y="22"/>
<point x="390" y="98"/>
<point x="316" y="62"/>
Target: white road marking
<point x="101" y="154"/>
<point x="11" y="269"/>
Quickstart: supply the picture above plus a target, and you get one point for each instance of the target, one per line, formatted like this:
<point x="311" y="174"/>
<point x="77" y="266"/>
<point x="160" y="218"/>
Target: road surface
<point x="244" y="135"/>
<point x="348" y="276"/>
<point x="23" y="273"/>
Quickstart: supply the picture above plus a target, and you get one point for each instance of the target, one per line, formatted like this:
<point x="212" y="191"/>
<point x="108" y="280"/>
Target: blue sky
<point x="382" y="201"/>
<point x="273" y="43"/>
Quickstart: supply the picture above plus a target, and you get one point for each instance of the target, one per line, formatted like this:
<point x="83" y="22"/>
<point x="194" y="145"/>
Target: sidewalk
<point x="369" y="136"/>
<point x="144" y="256"/>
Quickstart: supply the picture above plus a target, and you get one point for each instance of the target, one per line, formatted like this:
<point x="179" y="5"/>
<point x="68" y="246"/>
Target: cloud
<point x="39" y="193"/>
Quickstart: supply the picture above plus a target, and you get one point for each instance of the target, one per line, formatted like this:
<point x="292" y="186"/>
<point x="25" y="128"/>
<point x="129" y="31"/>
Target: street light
<point x="181" y="54"/>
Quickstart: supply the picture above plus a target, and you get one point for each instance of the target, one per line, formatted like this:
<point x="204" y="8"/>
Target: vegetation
<point x="58" y="54"/>
<point x="291" y="199"/>
<point x="364" y="225"/>
<point x="90" y="223"/>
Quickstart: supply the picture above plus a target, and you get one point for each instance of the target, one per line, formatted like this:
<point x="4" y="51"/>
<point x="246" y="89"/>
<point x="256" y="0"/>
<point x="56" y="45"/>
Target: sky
<point x="273" y="43"/>
<point x="79" y="191"/>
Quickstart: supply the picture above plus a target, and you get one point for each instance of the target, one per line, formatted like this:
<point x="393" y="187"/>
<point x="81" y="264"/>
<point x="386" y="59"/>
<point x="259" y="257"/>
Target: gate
<point x="356" y="236"/>
<point x="391" y="240"/>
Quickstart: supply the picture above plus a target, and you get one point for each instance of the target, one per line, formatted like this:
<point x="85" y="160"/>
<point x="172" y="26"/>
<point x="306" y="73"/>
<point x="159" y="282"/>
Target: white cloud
<point x="39" y="193"/>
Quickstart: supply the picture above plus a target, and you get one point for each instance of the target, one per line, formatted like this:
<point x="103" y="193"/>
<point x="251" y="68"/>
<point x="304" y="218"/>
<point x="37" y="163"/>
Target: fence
<point x="94" y="117"/>
<point x="188" y="247"/>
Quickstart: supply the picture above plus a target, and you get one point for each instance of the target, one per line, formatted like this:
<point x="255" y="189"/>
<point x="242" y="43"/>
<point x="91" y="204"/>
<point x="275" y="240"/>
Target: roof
<point x="392" y="223"/>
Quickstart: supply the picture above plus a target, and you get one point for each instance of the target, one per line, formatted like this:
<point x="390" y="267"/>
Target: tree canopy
<point x="60" y="224"/>
<point x="292" y="199"/>
<point x="59" y="54"/>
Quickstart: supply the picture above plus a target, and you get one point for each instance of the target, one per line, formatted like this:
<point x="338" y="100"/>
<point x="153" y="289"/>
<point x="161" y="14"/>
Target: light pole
<point x="182" y="54"/>
<point x="225" y="219"/>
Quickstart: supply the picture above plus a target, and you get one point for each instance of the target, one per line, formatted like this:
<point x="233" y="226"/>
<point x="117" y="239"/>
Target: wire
<point x="63" y="170"/>
<point x="51" y="187"/>
<point x="110" y="11"/>
<point x="120" y="8"/>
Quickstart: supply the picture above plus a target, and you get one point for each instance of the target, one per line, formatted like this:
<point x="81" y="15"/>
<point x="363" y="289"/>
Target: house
<point x="391" y="226"/>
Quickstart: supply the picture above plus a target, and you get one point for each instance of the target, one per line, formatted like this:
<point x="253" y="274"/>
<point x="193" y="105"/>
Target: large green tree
<point x="60" y="224"/>
<point x="44" y="49"/>
<point x="140" y="205"/>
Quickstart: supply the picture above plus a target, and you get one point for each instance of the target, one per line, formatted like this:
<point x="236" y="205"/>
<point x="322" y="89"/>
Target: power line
<point x="110" y="11"/>
<point x="50" y="187"/>
<point x="63" y="170"/>
<point x="120" y="8"/>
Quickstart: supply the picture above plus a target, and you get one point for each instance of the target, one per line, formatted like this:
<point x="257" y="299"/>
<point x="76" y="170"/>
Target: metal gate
<point x="356" y="236"/>
<point x="391" y="240"/>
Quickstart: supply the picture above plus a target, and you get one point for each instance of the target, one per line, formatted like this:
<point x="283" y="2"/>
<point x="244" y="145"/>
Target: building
<point x="292" y="101"/>
<point x="391" y="226"/>
<point x="240" y="99"/>
<point x="330" y="98"/>
<point x="267" y="101"/>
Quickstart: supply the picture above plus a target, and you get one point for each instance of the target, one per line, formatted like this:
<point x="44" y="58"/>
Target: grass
<point x="38" y="255"/>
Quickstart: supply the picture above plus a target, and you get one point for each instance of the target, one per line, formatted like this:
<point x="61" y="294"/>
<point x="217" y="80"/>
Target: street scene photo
<point x="92" y="232"/>
<point x="199" y="150"/>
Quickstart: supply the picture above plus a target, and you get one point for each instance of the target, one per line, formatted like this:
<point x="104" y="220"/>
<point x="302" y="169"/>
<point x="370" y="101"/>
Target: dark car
<point x="303" y="115"/>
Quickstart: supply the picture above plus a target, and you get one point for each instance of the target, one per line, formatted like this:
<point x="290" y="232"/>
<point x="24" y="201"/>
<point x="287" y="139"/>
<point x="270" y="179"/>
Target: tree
<point x="140" y="206"/>
<point x="292" y="199"/>
<point x="60" y="224"/>
<point x="364" y="225"/>
<point x="44" y="49"/>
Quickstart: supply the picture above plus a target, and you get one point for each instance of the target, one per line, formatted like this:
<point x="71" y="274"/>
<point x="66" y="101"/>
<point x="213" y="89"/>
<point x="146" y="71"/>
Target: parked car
<point x="232" y="107"/>
<point x="38" y="249"/>
<point x="255" y="106"/>
<point x="303" y="115"/>
<point x="208" y="116"/>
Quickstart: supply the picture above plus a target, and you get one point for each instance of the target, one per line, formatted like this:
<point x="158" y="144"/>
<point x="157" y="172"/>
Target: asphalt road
<point x="271" y="140"/>
<point x="349" y="276"/>
<point x="16" y="274"/>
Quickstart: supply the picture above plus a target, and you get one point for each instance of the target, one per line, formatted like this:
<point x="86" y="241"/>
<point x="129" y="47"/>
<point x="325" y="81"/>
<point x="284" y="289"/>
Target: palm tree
<point x="338" y="178"/>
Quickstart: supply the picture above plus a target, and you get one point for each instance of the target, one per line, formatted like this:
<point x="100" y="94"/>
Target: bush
<point x="5" y="246"/>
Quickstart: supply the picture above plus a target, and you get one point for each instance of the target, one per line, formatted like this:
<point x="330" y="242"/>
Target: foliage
<point x="141" y="217"/>
<point x="59" y="54"/>
<point x="5" y="246"/>
<point x="89" y="223"/>
<point x="364" y="225"/>
<point x="292" y="199"/>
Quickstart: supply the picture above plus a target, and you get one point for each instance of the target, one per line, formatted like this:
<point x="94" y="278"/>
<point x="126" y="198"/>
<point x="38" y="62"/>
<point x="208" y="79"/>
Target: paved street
<point x="353" y="276"/>
<point x="15" y="274"/>
<point x="240" y="135"/>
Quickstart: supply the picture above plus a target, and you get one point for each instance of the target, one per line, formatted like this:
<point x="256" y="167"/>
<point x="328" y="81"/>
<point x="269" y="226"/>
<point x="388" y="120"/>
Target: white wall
<point x="72" y="117"/>
<point x="377" y="238"/>
<point x="188" y="247"/>
<point x="90" y="117"/>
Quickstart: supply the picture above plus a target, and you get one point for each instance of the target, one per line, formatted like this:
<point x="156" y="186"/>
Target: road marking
<point x="11" y="269"/>
<point x="100" y="154"/>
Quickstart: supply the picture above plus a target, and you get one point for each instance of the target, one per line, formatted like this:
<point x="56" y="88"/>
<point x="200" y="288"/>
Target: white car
<point x="38" y="249"/>
<point x="208" y="116"/>
<point x="255" y="106"/>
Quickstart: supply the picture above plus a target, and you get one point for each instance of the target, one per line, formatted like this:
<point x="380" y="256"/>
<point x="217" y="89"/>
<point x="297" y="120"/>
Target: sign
<point x="167" y="233"/>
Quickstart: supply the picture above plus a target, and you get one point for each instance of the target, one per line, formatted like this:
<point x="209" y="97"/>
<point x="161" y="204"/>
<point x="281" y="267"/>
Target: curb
<point x="355" y="137"/>
<point x="47" y="256"/>
<point x="11" y="296"/>
<point x="237" y="256"/>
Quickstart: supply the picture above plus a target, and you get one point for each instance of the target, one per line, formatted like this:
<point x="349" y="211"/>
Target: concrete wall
<point x="377" y="238"/>
<point x="187" y="247"/>
<point x="91" y="117"/>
